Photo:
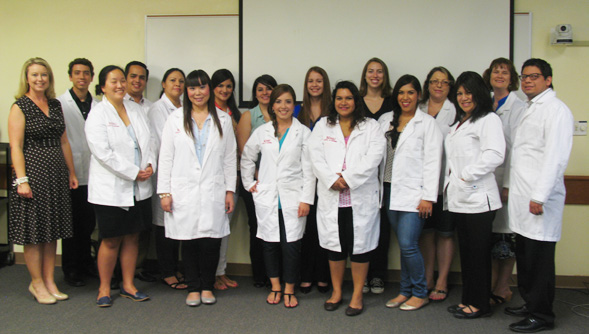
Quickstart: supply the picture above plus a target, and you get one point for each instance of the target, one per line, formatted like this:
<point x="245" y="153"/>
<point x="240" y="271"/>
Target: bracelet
<point x="20" y="180"/>
<point x="165" y="195"/>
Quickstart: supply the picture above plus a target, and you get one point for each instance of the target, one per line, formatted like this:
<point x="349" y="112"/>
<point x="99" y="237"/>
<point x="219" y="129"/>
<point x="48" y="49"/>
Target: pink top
<point x="345" y="199"/>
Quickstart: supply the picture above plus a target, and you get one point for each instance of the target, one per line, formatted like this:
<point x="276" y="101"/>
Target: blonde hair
<point x="24" y="87"/>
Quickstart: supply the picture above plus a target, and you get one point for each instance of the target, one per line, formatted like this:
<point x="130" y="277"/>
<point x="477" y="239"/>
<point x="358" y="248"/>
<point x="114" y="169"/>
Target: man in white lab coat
<point x="540" y="154"/>
<point x="137" y="75"/>
<point x="76" y="103"/>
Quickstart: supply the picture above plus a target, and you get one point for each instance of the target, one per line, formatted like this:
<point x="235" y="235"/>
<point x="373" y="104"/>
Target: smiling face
<point x="344" y="103"/>
<point x="114" y="86"/>
<point x="315" y="84"/>
<point x="136" y="80"/>
<point x="37" y="78"/>
<point x="500" y="77"/>
<point x="374" y="75"/>
<point x="439" y="89"/>
<point x="223" y="91"/>
<point x="465" y="101"/>
<point x="81" y="77"/>
<point x="532" y="87"/>
<point x="199" y="96"/>
<point x="263" y="94"/>
<point x="174" y="85"/>
<point x="283" y="107"/>
<point x="407" y="98"/>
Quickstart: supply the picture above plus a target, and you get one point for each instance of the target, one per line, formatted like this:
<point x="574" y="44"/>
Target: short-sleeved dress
<point x="47" y="216"/>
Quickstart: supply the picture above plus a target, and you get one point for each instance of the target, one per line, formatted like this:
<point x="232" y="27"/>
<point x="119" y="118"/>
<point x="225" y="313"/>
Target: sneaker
<point x="366" y="288"/>
<point x="376" y="286"/>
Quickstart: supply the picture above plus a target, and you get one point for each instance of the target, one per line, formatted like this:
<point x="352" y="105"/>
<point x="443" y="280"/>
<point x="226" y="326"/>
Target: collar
<point x="130" y="98"/>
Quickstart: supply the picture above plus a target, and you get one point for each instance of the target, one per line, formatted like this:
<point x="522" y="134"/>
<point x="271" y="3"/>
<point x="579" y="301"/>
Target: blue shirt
<point x="501" y="102"/>
<point x="201" y="137"/>
<point x="279" y="148"/>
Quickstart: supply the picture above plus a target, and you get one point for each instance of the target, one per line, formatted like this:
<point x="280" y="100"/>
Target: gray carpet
<point x="244" y="310"/>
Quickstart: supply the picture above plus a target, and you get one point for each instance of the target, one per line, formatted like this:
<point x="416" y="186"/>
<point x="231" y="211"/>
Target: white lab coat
<point x="363" y="155"/>
<point x="416" y="164"/>
<point x="473" y="151"/>
<point x="158" y="114"/>
<point x="74" y="124"/>
<point x="286" y="174"/>
<point x="510" y="113"/>
<point x="198" y="190"/>
<point x="112" y="165"/>
<point x="444" y="120"/>
<point x="539" y="158"/>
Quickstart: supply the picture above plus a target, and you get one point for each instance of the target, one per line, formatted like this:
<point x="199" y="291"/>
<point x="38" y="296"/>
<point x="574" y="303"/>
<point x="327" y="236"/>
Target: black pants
<point x="345" y="222"/>
<point x="200" y="257"/>
<point x="167" y="252"/>
<point x="475" y="239"/>
<point x="314" y="264"/>
<point x="536" y="275"/>
<point x="379" y="260"/>
<point x="288" y="252"/>
<point x="76" y="255"/>
<point x="256" y="248"/>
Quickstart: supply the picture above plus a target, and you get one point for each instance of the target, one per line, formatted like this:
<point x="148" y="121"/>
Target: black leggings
<point x="289" y="252"/>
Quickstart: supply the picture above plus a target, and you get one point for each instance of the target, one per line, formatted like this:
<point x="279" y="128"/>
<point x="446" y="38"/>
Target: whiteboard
<point x="522" y="43"/>
<point x="285" y="38"/>
<point x="189" y="42"/>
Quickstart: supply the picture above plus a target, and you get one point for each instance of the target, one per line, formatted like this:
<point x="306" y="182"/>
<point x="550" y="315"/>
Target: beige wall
<point x="112" y="32"/>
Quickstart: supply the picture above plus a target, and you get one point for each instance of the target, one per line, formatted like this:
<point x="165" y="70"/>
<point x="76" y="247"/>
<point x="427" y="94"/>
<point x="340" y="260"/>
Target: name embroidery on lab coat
<point x="330" y="139"/>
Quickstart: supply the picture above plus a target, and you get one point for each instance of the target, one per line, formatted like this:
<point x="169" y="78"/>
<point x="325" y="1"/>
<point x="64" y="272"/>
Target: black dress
<point x="47" y="216"/>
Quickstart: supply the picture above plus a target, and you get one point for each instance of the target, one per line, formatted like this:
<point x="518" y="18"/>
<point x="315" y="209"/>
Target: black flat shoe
<point x="351" y="312"/>
<point x="259" y="284"/>
<point x="521" y="311"/>
<point x="332" y="306"/>
<point x="460" y="314"/>
<point x="305" y="289"/>
<point x="531" y="325"/>
<point x="454" y="308"/>
<point x="323" y="289"/>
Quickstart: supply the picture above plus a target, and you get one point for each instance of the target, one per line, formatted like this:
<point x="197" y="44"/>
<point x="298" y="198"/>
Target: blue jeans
<point x="407" y="226"/>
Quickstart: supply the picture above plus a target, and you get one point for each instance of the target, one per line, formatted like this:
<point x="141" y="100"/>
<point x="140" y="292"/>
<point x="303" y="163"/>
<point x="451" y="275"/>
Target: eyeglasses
<point x="533" y="76"/>
<point x="444" y="83"/>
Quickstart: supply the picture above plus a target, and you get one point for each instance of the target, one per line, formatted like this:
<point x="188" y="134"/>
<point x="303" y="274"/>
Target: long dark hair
<point x="474" y="84"/>
<point x="194" y="79"/>
<point x="218" y="77"/>
<point x="358" y="113"/>
<point x="406" y="79"/>
<point x="276" y="93"/>
<point x="264" y="79"/>
<point x="167" y="74"/>
<point x="305" y="113"/>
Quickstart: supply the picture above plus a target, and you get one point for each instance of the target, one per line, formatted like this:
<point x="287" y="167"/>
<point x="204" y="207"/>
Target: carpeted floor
<point x="244" y="310"/>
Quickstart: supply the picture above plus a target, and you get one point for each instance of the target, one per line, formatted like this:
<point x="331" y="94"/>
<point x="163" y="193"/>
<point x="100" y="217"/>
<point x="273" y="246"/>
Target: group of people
<point x="322" y="182"/>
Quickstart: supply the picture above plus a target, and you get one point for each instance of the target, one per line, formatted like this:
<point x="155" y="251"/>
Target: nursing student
<point x="250" y="121"/>
<point x="283" y="190"/>
<point x="346" y="149"/>
<point x="411" y="176"/>
<point x="196" y="183"/>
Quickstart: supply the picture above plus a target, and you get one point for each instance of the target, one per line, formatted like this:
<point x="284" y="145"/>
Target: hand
<point x="340" y="184"/>
<point x="145" y="174"/>
<point x="24" y="190"/>
<point x="304" y="209"/>
<point x="254" y="189"/>
<point x="229" y="203"/>
<point x="167" y="204"/>
<point x="73" y="181"/>
<point x="425" y="209"/>
<point x="536" y="208"/>
<point x="504" y="195"/>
